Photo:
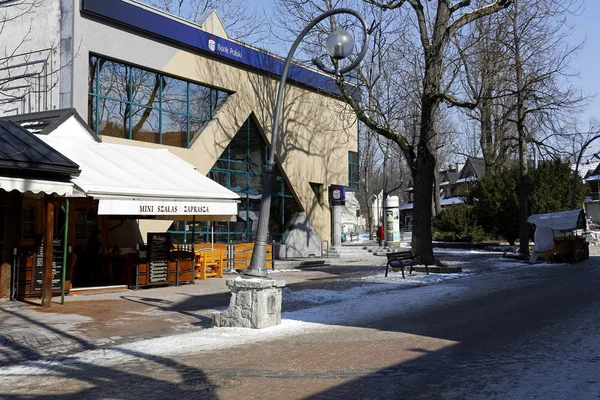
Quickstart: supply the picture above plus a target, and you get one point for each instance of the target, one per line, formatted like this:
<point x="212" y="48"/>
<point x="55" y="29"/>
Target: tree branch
<point x="459" y="5"/>
<point x="455" y="102"/>
<point x="418" y="7"/>
<point x="390" y="5"/>
<point x="370" y="123"/>
<point x="469" y="17"/>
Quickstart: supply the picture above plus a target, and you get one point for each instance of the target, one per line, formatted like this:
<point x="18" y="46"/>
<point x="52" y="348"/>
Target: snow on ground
<point x="280" y="271"/>
<point x="321" y="296"/>
<point x="380" y="283"/>
<point x="463" y="251"/>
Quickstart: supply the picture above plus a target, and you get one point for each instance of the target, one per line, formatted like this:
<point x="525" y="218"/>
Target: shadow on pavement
<point x="494" y="340"/>
<point x="89" y="380"/>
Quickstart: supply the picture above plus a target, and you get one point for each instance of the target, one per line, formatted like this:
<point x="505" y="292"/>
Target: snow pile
<point x="447" y="250"/>
<point x="321" y="296"/>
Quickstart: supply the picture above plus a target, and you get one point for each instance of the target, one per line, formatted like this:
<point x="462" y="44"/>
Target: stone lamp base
<point x="255" y="303"/>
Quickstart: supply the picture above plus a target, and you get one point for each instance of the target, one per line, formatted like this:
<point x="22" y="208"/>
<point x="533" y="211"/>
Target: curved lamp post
<point x="339" y="46"/>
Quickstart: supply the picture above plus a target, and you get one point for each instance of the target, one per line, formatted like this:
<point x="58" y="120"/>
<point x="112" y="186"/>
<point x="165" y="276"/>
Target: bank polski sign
<point x="223" y="49"/>
<point x="337" y="194"/>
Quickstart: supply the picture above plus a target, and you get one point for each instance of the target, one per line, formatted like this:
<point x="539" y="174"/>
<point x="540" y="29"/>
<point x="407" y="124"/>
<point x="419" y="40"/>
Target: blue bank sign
<point x="156" y="24"/>
<point x="224" y="49"/>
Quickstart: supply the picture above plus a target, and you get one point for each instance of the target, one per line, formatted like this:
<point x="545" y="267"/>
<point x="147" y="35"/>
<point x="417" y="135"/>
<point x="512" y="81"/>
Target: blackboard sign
<point x="57" y="261"/>
<point x="159" y="245"/>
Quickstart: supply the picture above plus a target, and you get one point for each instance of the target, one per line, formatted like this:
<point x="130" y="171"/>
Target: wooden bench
<point x="401" y="259"/>
<point x="242" y="255"/>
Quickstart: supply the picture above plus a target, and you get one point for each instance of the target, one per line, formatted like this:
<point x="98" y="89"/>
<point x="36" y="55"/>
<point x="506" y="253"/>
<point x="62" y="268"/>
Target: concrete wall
<point x="318" y="131"/>
<point x="30" y="32"/>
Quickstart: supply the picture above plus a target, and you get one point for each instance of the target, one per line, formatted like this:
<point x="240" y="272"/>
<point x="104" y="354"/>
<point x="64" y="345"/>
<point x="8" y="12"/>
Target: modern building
<point x="142" y="77"/>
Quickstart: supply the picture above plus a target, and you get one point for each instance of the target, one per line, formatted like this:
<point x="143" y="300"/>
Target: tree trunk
<point x="423" y="190"/>
<point x="437" y="204"/>
<point x="423" y="167"/>
<point x="487" y="134"/>
<point x="523" y="159"/>
<point x="523" y="198"/>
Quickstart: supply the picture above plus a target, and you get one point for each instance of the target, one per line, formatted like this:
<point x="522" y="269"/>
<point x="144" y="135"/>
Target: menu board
<point x="159" y="245"/>
<point x="57" y="262"/>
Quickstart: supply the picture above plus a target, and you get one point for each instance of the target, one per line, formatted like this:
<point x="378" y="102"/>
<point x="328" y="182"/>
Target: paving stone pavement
<point x="101" y="320"/>
<point x="240" y="372"/>
<point x="310" y="362"/>
<point x="97" y="321"/>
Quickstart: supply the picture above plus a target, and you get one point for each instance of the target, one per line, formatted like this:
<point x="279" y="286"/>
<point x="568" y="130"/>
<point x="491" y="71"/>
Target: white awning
<point x="36" y="186"/>
<point x="139" y="181"/>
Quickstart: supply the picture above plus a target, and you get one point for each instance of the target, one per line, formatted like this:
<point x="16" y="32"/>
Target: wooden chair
<point x="209" y="263"/>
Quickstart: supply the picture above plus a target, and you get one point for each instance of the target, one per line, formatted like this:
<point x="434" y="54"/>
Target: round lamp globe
<point x="339" y="44"/>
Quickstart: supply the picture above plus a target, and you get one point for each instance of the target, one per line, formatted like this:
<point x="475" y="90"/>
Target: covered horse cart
<point x="560" y="236"/>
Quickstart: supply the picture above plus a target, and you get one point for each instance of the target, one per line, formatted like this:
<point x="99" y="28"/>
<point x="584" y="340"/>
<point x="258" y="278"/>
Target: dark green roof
<point x="23" y="153"/>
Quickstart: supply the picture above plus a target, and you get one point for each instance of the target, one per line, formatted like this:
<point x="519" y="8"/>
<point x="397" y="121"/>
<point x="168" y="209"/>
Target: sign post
<point x="337" y="198"/>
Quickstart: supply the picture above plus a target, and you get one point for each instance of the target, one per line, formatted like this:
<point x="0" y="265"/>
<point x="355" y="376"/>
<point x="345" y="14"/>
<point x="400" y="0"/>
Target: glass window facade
<point x="133" y="103"/>
<point x="353" y="171"/>
<point x="240" y="169"/>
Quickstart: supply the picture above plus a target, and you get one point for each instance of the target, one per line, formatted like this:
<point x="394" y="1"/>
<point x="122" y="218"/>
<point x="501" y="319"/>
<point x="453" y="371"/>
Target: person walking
<point x="380" y="236"/>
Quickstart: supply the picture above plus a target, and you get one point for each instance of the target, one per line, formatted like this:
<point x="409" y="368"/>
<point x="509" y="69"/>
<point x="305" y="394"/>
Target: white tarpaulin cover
<point x="138" y="181"/>
<point x="543" y="239"/>
<point x="572" y="219"/>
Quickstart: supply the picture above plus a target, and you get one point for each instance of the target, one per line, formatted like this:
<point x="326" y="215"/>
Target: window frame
<point x="157" y="105"/>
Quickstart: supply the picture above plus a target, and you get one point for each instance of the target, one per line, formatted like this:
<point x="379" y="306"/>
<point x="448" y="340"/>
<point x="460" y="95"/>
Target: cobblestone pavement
<point x="463" y="350"/>
<point x="98" y="321"/>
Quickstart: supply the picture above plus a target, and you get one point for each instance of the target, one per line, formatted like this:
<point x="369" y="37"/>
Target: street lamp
<point x="339" y="46"/>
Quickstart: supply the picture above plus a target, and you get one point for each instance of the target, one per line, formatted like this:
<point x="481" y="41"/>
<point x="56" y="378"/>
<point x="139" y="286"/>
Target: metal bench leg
<point x="387" y="267"/>
<point x="402" y="269"/>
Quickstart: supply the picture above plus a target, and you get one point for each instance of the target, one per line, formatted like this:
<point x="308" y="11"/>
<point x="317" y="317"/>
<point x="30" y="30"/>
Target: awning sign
<point x="150" y="207"/>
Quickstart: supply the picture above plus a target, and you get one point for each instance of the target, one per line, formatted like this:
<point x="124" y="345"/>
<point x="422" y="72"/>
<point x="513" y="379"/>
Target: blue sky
<point x="588" y="59"/>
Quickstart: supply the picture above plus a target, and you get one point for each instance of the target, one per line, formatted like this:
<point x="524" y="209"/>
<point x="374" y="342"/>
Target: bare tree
<point x="582" y="140"/>
<point x="368" y="176"/>
<point x="239" y="20"/>
<point x="380" y="76"/>
<point x="483" y="53"/>
<point x="436" y="23"/>
<point x="517" y="69"/>
<point x="414" y="69"/>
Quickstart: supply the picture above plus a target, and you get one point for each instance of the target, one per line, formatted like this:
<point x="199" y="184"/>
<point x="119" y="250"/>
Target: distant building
<point x="455" y="184"/>
<point x="590" y="172"/>
<point x="353" y="219"/>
